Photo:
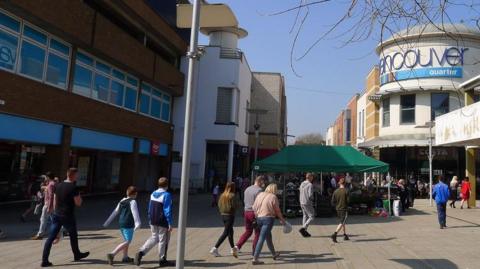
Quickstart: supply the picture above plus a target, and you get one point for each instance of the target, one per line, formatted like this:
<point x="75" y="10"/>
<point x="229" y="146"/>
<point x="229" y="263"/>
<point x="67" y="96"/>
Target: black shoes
<point x="46" y="264"/>
<point x="334" y="238"/>
<point x="304" y="232"/>
<point x="345" y="237"/>
<point x="110" y="257"/>
<point x="165" y="263"/>
<point x="127" y="260"/>
<point x="81" y="255"/>
<point x="138" y="258"/>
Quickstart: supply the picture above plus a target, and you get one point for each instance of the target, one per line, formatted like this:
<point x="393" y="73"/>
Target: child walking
<point x="129" y="221"/>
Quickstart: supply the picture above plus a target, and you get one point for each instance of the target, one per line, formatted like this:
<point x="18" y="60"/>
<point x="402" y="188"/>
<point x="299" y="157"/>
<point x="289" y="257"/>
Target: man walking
<point x="249" y="215"/>
<point x="160" y="218"/>
<point x="306" y="203"/>
<point x="66" y="198"/>
<point x="340" y="201"/>
<point x="48" y="191"/>
<point x="441" y="193"/>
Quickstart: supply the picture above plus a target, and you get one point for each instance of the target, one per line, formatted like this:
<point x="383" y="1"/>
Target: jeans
<point x="57" y="223"/>
<point x="265" y="225"/>
<point x="228" y="221"/>
<point x="308" y="215"/>
<point x="44" y="219"/>
<point x="249" y="217"/>
<point x="160" y="236"/>
<point x="442" y="214"/>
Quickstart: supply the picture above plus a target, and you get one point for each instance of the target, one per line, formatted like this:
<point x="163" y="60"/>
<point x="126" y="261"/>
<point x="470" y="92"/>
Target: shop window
<point x="224" y="106"/>
<point x="103" y="82"/>
<point x="386" y="112"/>
<point x="439" y="104"/>
<point x="42" y="57"/>
<point x="407" y="109"/>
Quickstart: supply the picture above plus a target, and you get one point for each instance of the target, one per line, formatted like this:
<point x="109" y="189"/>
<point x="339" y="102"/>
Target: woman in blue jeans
<point x="266" y="208"/>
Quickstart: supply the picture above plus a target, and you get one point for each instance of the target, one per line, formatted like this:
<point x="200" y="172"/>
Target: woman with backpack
<point x="226" y="206"/>
<point x="129" y="222"/>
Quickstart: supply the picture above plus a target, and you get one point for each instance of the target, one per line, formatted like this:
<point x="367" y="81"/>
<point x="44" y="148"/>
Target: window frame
<point x="18" y="35"/>
<point x="432" y="111"/>
<point x="125" y="82"/>
<point x="160" y="99"/>
<point x="232" y="96"/>
<point x="384" y="112"/>
<point x="408" y="109"/>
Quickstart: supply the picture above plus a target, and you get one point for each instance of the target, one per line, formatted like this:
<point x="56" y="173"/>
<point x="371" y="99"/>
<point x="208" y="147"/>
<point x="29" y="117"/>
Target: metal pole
<point x="187" y="136"/>
<point x="257" y="134"/>
<point x="430" y="162"/>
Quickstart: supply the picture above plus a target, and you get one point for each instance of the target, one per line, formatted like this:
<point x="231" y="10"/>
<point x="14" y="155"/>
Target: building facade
<point x="88" y="84"/>
<point x="268" y="94"/>
<point x="420" y="71"/>
<point x="222" y="95"/>
<point x="344" y="129"/>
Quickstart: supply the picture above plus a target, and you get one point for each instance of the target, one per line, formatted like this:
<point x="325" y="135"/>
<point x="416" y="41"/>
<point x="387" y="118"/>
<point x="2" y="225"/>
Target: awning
<point x="460" y="127"/>
<point x="406" y="140"/>
<point x="315" y="158"/>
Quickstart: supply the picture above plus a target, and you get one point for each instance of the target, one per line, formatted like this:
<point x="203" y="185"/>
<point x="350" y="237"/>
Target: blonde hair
<point x="271" y="188"/>
<point x="227" y="194"/>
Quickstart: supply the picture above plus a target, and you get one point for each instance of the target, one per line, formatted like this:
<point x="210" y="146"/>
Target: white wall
<point x="213" y="72"/>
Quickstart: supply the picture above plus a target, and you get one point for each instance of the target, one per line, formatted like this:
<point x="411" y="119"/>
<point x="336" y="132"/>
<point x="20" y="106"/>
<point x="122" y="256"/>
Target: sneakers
<point x="81" y="255"/>
<point x="304" y="232"/>
<point x="138" y="258"/>
<point x="127" y="260"/>
<point x="110" y="257"/>
<point x="46" y="264"/>
<point x="36" y="237"/>
<point x="214" y="252"/>
<point x="234" y="252"/>
<point x="256" y="262"/>
<point x="334" y="238"/>
<point x="275" y="257"/>
<point x="345" y="237"/>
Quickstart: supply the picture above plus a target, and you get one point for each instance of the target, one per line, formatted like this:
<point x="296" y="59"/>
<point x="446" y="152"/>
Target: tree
<point x="310" y="139"/>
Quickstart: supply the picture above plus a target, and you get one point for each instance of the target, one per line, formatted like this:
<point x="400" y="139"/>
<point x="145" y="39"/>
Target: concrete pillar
<point x="129" y="167"/>
<point x="470" y="157"/>
<point x="65" y="151"/>
<point x="231" y="145"/>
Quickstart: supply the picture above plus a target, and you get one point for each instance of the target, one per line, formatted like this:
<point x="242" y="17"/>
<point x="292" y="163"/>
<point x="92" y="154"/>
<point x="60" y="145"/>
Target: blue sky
<point x="331" y="73"/>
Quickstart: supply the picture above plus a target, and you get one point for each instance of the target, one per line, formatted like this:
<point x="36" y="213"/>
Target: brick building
<point x="88" y="84"/>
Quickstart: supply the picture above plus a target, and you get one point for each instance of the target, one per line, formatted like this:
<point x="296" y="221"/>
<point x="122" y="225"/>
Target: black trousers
<point x="228" y="221"/>
<point x="71" y="226"/>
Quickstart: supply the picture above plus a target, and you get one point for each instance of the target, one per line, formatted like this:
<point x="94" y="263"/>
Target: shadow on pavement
<point x="82" y="262"/>
<point x="427" y="263"/>
<point x="374" y="239"/>
<point x="307" y="258"/>
<point x="202" y="263"/>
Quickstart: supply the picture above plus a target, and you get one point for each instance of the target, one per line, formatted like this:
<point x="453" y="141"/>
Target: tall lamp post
<point x="429" y="125"/>
<point x="256" y="126"/>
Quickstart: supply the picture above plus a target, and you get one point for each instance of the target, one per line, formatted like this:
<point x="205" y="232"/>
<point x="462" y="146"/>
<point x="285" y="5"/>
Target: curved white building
<point x="420" y="72"/>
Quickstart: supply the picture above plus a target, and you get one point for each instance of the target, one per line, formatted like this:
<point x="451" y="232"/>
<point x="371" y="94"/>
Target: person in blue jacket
<point x="441" y="194"/>
<point x="160" y="218"/>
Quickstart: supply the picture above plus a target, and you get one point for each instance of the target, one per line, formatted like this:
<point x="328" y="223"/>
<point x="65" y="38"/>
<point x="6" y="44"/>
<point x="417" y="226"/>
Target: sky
<point x="326" y="78"/>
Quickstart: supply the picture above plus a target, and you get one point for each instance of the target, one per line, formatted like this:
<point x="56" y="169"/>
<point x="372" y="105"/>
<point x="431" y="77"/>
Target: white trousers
<point x="159" y="236"/>
<point x="44" y="219"/>
<point x="308" y="215"/>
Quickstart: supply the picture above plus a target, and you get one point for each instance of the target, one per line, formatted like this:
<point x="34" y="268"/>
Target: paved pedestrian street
<point x="410" y="241"/>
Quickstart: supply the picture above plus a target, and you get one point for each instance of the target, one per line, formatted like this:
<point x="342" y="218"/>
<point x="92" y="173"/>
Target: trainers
<point x="138" y="258"/>
<point x="307" y="234"/>
<point x="345" y="237"/>
<point x="256" y="262"/>
<point x="275" y="257"/>
<point x="165" y="263"/>
<point x="127" y="260"/>
<point x="46" y="264"/>
<point x="303" y="232"/>
<point x="238" y="250"/>
<point x="334" y="238"/>
<point x="81" y="255"/>
<point x="214" y="252"/>
<point x="110" y="257"/>
<point x="36" y="237"/>
<point x="234" y="252"/>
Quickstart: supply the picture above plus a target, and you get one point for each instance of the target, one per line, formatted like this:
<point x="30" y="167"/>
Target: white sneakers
<point x="214" y="252"/>
<point x="233" y="251"/>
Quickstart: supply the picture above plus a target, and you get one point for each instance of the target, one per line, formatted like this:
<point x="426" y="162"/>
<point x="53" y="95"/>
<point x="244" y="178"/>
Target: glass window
<point x="157" y="93"/>
<point x="102" y="67"/>
<point x="116" y="93"/>
<point x="132" y="81"/>
<point x="8" y="50"/>
<point x="439" y="104"/>
<point x="34" y="35"/>
<point x="32" y="60"/>
<point x="407" y="107"/>
<point x="224" y="106"/>
<point x="9" y="22"/>
<point x="57" y="70"/>
<point x="131" y="98"/>
<point x="145" y="103"/>
<point x="476" y="97"/>
<point x="118" y="74"/>
<point x="386" y="112"/>
<point x="156" y="108"/>
<point x="84" y="59"/>
<point x="59" y="47"/>
<point x="165" y="112"/>
<point x="100" y="90"/>
<point x="82" y="80"/>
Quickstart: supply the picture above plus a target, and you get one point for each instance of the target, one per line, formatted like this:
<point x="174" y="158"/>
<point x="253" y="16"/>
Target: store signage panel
<point x="458" y="126"/>
<point x="422" y="63"/>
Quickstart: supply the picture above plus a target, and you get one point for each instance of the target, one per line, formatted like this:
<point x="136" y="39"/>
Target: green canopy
<point x="317" y="158"/>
